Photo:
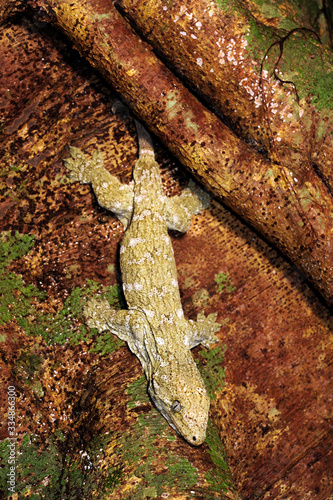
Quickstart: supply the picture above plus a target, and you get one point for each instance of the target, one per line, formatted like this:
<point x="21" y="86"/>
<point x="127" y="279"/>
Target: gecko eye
<point x="176" y="406"/>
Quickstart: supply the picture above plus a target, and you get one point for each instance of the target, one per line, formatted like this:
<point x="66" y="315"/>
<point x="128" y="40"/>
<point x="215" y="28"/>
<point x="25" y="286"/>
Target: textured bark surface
<point x="10" y="7"/>
<point x="292" y="211"/>
<point x="236" y="56"/>
<point x="91" y="430"/>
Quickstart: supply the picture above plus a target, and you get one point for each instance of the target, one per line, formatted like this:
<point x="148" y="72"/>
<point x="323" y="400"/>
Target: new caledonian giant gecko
<point x="154" y="325"/>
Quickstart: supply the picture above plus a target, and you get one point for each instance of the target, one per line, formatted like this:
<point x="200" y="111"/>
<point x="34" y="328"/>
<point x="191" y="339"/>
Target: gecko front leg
<point x="131" y="326"/>
<point x="202" y="330"/>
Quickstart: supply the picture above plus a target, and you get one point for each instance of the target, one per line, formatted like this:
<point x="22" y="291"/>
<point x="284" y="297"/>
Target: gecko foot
<point x="96" y="312"/>
<point x="202" y="330"/>
<point x="82" y="167"/>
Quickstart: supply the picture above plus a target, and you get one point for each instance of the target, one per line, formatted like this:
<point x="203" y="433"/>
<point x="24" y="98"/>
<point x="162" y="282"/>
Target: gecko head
<point x="179" y="394"/>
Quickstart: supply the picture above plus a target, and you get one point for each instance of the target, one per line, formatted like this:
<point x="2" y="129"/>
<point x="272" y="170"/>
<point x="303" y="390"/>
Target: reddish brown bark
<point x="237" y="60"/>
<point x="9" y="7"/>
<point x="255" y="188"/>
<point x="272" y="415"/>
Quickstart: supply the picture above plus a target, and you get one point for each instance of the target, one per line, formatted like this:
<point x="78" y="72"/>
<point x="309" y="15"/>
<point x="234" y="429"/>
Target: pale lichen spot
<point x="139" y="198"/>
<point x="137" y="286"/>
<point x="159" y="217"/>
<point x="166" y="239"/>
<point x="148" y="256"/>
<point x="142" y="215"/>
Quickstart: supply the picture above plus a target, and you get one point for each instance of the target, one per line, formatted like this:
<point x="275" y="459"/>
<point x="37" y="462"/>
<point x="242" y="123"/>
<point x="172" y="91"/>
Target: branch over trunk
<point x="296" y="216"/>
<point x="251" y="71"/>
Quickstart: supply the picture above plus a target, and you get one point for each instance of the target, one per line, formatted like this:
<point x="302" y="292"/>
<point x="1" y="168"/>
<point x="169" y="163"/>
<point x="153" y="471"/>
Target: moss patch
<point x="224" y="283"/>
<point x="219" y="476"/>
<point x="299" y="46"/>
<point x="45" y="470"/>
<point x="19" y="301"/>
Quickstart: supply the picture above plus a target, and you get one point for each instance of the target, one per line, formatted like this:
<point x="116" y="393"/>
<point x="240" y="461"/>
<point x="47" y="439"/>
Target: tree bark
<point x="85" y="418"/>
<point x="10" y="7"/>
<point x="290" y="211"/>
<point x="249" y="70"/>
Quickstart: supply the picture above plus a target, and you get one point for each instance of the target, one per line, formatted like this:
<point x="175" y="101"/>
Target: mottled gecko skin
<point x="154" y="325"/>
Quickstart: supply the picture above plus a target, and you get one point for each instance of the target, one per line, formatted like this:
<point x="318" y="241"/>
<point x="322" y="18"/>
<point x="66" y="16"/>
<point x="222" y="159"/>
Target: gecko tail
<point x="146" y="147"/>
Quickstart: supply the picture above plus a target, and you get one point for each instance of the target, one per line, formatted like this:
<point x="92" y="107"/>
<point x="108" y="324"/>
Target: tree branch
<point x="294" y="216"/>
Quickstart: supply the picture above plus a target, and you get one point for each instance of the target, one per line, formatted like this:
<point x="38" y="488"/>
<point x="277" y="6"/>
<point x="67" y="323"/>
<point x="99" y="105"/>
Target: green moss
<point x="26" y="366"/>
<point x="60" y="328"/>
<point x="299" y="46"/>
<point x="14" y="247"/>
<point x="200" y="298"/>
<point x="224" y="283"/>
<point x="18" y="301"/>
<point x="219" y="476"/>
<point x="213" y="373"/>
<point x="226" y="5"/>
<point x="44" y="470"/>
<point x="31" y="469"/>
<point x="16" y="298"/>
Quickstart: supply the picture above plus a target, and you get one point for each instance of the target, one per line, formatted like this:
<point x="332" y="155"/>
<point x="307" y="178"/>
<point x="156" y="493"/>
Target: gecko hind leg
<point x="180" y="209"/>
<point x="110" y="192"/>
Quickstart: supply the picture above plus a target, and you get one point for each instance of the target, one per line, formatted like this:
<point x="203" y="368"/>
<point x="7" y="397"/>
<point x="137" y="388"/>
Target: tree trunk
<point x="85" y="426"/>
<point x="289" y="205"/>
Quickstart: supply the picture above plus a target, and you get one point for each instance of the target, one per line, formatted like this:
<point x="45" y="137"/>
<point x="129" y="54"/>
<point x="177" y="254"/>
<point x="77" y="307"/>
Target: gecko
<point x="153" y="325"/>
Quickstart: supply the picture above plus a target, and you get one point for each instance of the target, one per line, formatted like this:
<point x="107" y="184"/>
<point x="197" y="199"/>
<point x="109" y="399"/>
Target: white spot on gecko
<point x="135" y="241"/>
<point x="149" y="313"/>
<point x="129" y="287"/>
<point x="166" y="239"/>
<point x="142" y="216"/>
<point x="167" y="319"/>
<point x="180" y="313"/>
